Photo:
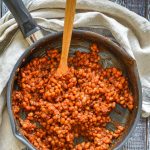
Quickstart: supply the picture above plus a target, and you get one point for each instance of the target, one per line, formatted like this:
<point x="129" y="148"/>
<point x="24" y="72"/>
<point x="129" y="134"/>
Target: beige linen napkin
<point x="131" y="31"/>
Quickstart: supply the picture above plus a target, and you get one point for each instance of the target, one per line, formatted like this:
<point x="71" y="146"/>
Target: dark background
<point x="140" y="139"/>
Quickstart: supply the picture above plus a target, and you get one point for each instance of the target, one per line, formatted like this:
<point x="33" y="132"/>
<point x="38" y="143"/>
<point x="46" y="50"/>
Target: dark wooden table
<point x="140" y="139"/>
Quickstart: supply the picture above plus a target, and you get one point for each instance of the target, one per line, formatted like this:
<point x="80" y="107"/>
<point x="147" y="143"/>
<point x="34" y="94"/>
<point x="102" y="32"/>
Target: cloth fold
<point x="130" y="30"/>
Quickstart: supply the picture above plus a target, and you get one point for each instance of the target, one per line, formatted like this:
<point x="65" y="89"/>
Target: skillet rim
<point x="83" y="33"/>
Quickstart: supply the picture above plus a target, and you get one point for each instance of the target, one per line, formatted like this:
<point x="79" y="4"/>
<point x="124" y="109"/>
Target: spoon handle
<point x="68" y="26"/>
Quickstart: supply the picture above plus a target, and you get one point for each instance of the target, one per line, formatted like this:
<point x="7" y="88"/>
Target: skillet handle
<point x="27" y="25"/>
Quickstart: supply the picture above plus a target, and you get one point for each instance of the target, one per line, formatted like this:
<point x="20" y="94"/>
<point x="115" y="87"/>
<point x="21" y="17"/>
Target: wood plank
<point x="0" y="8"/>
<point x="148" y="140"/>
<point x="138" y="6"/>
<point x="4" y="9"/>
<point x="141" y="7"/>
<point x="147" y="10"/>
<point x="138" y="140"/>
<point x="148" y="133"/>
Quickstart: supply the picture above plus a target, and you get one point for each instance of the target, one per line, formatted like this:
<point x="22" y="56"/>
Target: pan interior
<point x="119" y="115"/>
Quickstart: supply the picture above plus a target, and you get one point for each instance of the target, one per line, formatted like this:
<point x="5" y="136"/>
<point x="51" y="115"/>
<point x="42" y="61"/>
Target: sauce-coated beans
<point x="61" y="108"/>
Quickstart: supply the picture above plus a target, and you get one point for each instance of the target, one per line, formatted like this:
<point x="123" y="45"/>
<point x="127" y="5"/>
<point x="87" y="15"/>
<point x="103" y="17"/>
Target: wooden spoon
<point x="68" y="26"/>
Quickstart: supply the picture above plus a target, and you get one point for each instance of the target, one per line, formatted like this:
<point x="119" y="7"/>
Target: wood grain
<point x="4" y="9"/>
<point x="147" y="10"/>
<point x="0" y="8"/>
<point x="148" y="136"/>
<point x="67" y="34"/>
<point x="141" y="7"/>
<point x="138" y="6"/>
<point x="139" y="140"/>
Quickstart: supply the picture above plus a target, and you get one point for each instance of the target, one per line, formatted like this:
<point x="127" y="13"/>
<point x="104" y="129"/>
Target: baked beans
<point x="60" y="109"/>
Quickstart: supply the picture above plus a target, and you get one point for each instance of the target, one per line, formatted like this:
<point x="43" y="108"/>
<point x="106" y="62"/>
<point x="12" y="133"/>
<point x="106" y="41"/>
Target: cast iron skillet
<point x="111" y="54"/>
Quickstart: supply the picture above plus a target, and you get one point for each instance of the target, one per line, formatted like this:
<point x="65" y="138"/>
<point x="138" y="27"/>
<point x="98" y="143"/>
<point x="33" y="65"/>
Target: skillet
<point x="111" y="55"/>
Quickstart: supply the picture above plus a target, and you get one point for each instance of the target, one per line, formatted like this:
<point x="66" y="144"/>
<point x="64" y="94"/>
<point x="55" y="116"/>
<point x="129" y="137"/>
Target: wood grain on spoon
<point x="68" y="26"/>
